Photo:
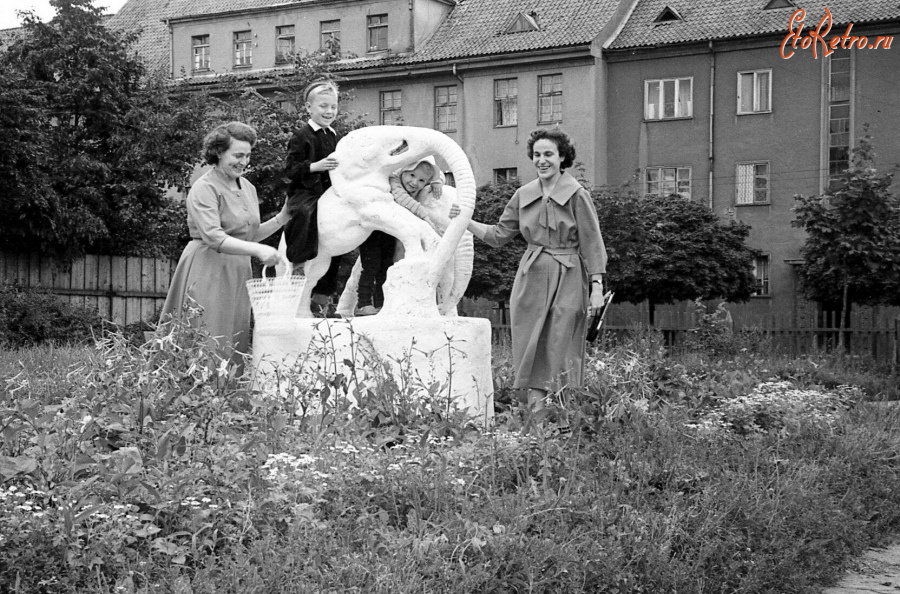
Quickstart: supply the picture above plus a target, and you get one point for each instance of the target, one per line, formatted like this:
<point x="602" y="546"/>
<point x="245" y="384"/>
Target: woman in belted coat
<point x="559" y="283"/>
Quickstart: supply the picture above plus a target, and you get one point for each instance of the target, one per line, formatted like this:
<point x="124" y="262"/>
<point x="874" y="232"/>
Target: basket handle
<point x="284" y="277"/>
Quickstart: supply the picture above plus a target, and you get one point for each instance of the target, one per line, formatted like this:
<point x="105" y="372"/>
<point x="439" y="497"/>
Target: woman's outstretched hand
<point x="268" y="255"/>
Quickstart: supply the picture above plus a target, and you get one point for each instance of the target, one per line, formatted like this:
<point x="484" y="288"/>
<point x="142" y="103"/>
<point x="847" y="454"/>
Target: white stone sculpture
<point x="458" y="271"/>
<point x="410" y="331"/>
<point x="360" y="201"/>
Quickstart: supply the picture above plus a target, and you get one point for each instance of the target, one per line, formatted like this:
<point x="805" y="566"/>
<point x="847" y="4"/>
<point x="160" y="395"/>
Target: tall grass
<point x="153" y="469"/>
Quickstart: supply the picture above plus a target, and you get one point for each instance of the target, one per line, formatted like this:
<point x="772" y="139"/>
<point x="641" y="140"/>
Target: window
<point x="378" y="32"/>
<point x="838" y="113"/>
<point x="550" y="98"/>
<point x="284" y="51"/>
<point x="505" y="175"/>
<point x="668" y="98"/>
<point x="761" y="274"/>
<point x="665" y="181"/>
<point x="752" y="183"/>
<point x="445" y="108"/>
<point x="754" y="93"/>
<point x="390" y="108"/>
<point x="838" y="138"/>
<point x="243" y="49"/>
<point x="200" y="45"/>
<point x="285" y="105"/>
<point x="330" y="36"/>
<point x="506" y="96"/>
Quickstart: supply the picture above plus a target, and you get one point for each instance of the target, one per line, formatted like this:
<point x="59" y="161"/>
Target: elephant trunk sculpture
<point x="359" y="202"/>
<point x="465" y="195"/>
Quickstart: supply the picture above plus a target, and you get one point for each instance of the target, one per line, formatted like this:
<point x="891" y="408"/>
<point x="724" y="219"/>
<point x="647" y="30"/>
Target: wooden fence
<point x="872" y="336"/>
<point x="131" y="289"/>
<point x="122" y="289"/>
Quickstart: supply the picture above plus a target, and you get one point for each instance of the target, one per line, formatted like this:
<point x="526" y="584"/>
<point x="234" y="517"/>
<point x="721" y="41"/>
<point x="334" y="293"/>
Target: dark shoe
<point x="325" y="311"/>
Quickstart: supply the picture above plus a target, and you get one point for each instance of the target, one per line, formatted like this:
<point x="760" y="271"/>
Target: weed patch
<point x="154" y="468"/>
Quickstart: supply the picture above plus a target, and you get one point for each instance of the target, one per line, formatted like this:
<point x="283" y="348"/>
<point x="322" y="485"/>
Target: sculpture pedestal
<point x="454" y="352"/>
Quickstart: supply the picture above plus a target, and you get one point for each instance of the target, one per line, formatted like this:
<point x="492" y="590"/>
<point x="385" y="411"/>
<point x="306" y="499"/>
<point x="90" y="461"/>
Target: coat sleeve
<point x="203" y="208"/>
<point x="590" y="241"/>
<point x="299" y="158"/>
<point x="507" y="227"/>
<point x="402" y="197"/>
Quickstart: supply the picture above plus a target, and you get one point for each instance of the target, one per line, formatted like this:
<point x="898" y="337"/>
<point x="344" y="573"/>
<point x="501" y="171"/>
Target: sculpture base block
<point x="454" y="352"/>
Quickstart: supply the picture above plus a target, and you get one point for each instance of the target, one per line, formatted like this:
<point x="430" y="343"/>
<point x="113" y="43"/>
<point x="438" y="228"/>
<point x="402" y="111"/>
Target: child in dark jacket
<point x="310" y="158"/>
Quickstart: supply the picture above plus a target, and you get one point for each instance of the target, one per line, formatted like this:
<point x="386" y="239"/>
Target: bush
<point x="156" y="470"/>
<point x="32" y="316"/>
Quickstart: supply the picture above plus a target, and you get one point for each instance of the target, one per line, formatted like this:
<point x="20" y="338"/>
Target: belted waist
<point x="534" y="251"/>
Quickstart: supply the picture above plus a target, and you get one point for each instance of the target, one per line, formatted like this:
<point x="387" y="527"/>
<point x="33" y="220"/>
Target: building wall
<point x="877" y="98"/>
<point x="787" y="138"/>
<point x="354" y="32"/>
<point x="489" y="147"/>
<point x="792" y="137"/>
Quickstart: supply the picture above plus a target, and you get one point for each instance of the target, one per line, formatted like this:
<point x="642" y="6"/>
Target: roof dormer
<point x="522" y="22"/>
<point x="668" y="15"/>
<point x="773" y="4"/>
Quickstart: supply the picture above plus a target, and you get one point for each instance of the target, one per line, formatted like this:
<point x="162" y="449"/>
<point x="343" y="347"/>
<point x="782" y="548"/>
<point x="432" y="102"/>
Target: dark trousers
<point x="376" y="254"/>
<point x="302" y="232"/>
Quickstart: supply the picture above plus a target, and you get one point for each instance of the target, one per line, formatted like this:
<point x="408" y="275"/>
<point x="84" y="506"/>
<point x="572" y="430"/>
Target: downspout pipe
<point x="171" y="48"/>
<point x="712" y="109"/>
<point x="460" y="111"/>
<point x="412" y="26"/>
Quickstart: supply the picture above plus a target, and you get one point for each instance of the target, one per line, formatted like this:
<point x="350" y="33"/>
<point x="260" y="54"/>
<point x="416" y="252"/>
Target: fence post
<point x="895" y="337"/>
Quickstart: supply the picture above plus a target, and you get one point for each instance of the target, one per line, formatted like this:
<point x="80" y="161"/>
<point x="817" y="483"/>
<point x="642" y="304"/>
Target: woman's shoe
<point x="368" y="310"/>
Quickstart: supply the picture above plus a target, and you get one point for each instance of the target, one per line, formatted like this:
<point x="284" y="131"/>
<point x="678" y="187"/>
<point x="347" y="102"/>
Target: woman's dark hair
<point x="218" y="141"/>
<point x="563" y="145"/>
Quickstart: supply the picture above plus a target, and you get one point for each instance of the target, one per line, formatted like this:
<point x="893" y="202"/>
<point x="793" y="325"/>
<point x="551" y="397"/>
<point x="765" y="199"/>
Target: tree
<point x="667" y="249"/>
<point x="852" y="249"/>
<point x="237" y="100"/>
<point x="660" y="250"/>
<point x="97" y="145"/>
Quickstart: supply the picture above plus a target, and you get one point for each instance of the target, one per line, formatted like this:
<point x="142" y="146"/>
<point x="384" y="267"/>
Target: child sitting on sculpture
<point x="409" y="186"/>
<point x="310" y="160"/>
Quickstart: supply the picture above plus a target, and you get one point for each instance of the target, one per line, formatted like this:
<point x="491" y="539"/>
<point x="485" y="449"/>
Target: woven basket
<point x="275" y="299"/>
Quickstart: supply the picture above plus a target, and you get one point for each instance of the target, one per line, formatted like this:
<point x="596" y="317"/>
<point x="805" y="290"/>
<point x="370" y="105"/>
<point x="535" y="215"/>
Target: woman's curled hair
<point x="218" y="141"/>
<point x="560" y="139"/>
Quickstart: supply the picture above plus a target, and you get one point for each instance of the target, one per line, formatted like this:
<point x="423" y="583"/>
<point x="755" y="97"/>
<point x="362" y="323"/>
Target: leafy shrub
<point x="32" y="316"/>
<point x="156" y="469"/>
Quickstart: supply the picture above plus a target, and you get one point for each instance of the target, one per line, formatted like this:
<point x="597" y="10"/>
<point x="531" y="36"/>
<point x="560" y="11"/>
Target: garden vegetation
<point x="719" y="468"/>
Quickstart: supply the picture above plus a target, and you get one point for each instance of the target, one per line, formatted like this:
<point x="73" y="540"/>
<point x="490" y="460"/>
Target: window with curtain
<point x="668" y="98"/>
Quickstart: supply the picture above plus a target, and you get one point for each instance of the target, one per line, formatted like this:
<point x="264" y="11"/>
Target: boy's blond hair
<point x="319" y="87"/>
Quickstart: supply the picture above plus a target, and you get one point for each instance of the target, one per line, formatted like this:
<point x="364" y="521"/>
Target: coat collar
<point x="316" y="127"/>
<point x="565" y="188"/>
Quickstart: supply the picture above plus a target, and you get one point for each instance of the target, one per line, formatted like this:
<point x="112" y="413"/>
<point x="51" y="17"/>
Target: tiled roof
<point x="476" y="27"/>
<point x="473" y="27"/>
<point x="146" y="16"/>
<point x="718" y="19"/>
<point x="184" y="8"/>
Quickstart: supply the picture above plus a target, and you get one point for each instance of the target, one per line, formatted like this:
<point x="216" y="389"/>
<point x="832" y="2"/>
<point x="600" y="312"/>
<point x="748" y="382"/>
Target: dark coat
<point x="305" y="188"/>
